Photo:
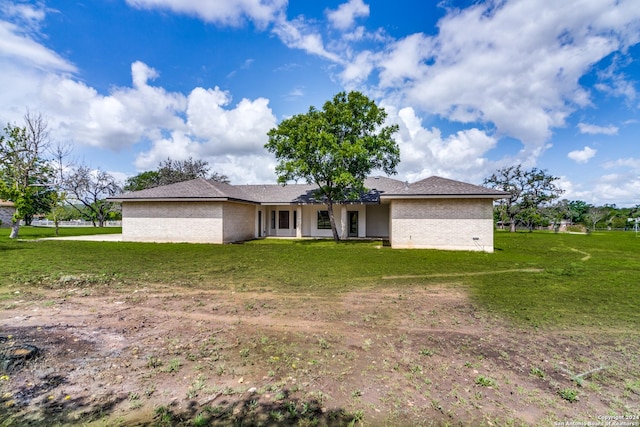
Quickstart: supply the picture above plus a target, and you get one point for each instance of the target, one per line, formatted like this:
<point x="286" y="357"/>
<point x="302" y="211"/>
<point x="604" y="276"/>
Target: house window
<point x="273" y="220"/>
<point x="283" y="219"/>
<point x="324" y="223"/>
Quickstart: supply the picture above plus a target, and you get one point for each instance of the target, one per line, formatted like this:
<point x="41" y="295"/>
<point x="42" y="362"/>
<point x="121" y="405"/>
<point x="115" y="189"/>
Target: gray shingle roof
<point x="437" y="186"/>
<point x="379" y="187"/>
<point x="194" y="189"/>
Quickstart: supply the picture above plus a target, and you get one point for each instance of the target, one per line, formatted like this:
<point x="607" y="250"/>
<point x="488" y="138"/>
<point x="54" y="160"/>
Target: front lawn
<point x="535" y="278"/>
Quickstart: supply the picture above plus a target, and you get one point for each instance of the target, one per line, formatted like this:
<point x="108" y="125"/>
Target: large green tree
<point x="335" y="148"/>
<point x="529" y="189"/>
<point x="24" y="171"/>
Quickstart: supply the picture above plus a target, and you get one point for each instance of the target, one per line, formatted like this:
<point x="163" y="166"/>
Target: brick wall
<point x="239" y="222"/>
<point x="456" y="224"/>
<point x="196" y="222"/>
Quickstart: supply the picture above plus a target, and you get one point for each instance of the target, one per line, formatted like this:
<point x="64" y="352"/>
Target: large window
<point x="273" y="220"/>
<point x="283" y="219"/>
<point x="324" y="223"/>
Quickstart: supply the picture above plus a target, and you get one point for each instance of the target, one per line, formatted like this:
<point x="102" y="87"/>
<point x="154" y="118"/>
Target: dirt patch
<point x="410" y="356"/>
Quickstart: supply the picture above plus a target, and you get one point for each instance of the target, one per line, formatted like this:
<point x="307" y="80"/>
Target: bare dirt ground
<point x="410" y="356"/>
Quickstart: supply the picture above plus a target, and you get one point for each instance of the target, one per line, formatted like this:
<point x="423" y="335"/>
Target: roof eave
<point x="442" y="196"/>
<point x="176" y="199"/>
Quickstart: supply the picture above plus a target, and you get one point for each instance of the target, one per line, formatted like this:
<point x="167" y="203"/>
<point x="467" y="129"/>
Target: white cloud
<point x="22" y="48"/>
<point x="404" y="61"/>
<point x="201" y="124"/>
<point x="297" y="34"/>
<point x="223" y="12"/>
<point x="629" y="162"/>
<point x="344" y="16"/>
<point x="295" y="93"/>
<point x="491" y="63"/>
<point x="597" y="130"/>
<point x="115" y="121"/>
<point x="29" y="15"/>
<point x="240" y="129"/>
<point x="621" y="189"/>
<point x="613" y="83"/>
<point x="358" y="70"/>
<point x="582" y="156"/>
<point x="425" y="152"/>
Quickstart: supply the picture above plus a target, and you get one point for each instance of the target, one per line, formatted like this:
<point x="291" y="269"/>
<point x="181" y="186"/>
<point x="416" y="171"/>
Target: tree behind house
<point x="529" y="189"/>
<point x="172" y="171"/>
<point x="91" y="188"/>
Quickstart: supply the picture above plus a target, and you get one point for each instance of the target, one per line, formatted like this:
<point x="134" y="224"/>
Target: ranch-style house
<point x="435" y="213"/>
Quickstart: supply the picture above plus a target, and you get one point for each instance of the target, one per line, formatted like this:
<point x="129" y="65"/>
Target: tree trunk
<point x="15" y="229"/>
<point x="332" y="220"/>
<point x="512" y="226"/>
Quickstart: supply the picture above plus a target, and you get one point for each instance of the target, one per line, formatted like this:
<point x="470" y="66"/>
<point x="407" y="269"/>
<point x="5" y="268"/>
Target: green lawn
<point x="540" y="279"/>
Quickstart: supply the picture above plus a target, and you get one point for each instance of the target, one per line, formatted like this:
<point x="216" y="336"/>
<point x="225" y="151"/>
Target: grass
<point x="533" y="278"/>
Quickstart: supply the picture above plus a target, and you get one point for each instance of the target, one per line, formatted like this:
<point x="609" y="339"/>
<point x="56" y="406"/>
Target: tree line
<point x="534" y="202"/>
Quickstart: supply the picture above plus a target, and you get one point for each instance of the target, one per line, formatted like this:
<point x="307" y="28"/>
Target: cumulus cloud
<point x="222" y="12"/>
<point x="489" y="63"/>
<point x="597" y="130"/>
<point x="345" y="15"/>
<point x="493" y="66"/>
<point x="582" y="156"/>
<point x="404" y="60"/>
<point x="425" y="152"/>
<point x="203" y="123"/>
<point x="113" y="121"/>
<point x="358" y="70"/>
<point x="621" y="189"/>
<point x="231" y="130"/>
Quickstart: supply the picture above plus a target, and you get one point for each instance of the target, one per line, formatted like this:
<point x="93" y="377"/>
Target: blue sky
<point x="473" y="85"/>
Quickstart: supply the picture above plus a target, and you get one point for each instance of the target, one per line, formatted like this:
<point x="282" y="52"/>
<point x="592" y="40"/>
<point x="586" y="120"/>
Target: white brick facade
<point x="239" y="222"/>
<point x="172" y="222"/>
<point x="455" y="224"/>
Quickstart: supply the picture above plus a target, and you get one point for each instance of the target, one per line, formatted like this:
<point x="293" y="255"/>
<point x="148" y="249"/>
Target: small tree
<point x="91" y="188"/>
<point x="335" y="148"/>
<point x="60" y="151"/>
<point x="595" y="214"/>
<point x="529" y="190"/>
<point x="23" y="169"/>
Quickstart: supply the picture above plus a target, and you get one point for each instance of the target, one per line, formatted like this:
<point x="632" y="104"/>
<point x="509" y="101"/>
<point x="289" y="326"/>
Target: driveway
<point x="91" y="238"/>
